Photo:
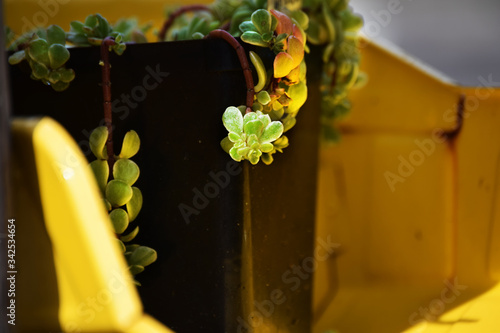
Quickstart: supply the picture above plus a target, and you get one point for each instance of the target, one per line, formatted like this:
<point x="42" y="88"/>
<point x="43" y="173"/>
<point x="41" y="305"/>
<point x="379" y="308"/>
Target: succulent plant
<point x="93" y="31"/>
<point x="333" y="24"/>
<point x="122" y="200"/>
<point x="249" y="136"/>
<point x="47" y="55"/>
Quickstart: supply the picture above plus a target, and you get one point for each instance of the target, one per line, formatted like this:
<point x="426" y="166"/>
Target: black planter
<point x="231" y="237"/>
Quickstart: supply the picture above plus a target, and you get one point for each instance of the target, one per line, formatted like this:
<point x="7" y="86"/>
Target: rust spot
<point x="451" y="135"/>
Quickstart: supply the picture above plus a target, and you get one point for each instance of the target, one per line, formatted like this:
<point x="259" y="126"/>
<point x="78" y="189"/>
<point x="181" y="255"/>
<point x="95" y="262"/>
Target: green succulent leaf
<point x="60" y="86"/>
<point x="119" y="219"/>
<point x="298" y="94"/>
<point x="247" y="26"/>
<point x="254" y="38"/>
<point x="254" y="127"/>
<point x="56" y="35"/>
<point x="131" y="145"/>
<point x="126" y="170"/>
<point x="39" y="70"/>
<point x="102" y="29"/>
<point x="233" y="120"/>
<point x="91" y="21"/>
<point x="58" y="55"/>
<point x="142" y="256"/>
<point x="17" y="57"/>
<point x="66" y="74"/>
<point x="76" y="26"/>
<point x="118" y="193"/>
<point x="130" y="236"/>
<point x="226" y="144"/>
<point x="121" y="245"/>
<point x="135" y="204"/>
<point x="39" y="51"/>
<point x="272" y="132"/>
<point x="97" y="142"/>
<point x="263" y="97"/>
<point x="136" y="269"/>
<point x="100" y="169"/>
<point x="262" y="21"/>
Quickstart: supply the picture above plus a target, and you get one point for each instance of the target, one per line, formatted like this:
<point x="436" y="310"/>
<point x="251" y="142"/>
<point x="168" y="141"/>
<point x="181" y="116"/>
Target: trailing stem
<point x="247" y="72"/>
<point x="106" y="92"/>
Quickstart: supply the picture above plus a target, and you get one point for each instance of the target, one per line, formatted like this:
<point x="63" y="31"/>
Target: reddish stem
<point x="168" y="23"/>
<point x="106" y="92"/>
<point x="247" y="72"/>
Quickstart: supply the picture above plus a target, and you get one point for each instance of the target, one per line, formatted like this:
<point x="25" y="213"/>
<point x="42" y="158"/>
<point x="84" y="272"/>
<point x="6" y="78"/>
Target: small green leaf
<point x="76" y="26"/>
<point x="142" y="256"/>
<point x="91" y="21"/>
<point x="17" y="57"/>
<point x="103" y="29"/>
<point x="262" y="21"/>
<point x="136" y="269"/>
<point x="66" y="74"/>
<point x="54" y="77"/>
<point x="38" y="70"/>
<point x="118" y="193"/>
<point x="135" y="204"/>
<point x="131" y="235"/>
<point x="56" y="35"/>
<point x="247" y="26"/>
<point x="126" y="170"/>
<point x="60" y="86"/>
<point x="58" y="55"/>
<point x="131" y="144"/>
<point x="254" y="127"/>
<point x="298" y="94"/>
<point x="119" y="219"/>
<point x="288" y="123"/>
<point x="263" y="97"/>
<point x="39" y="51"/>
<point x="107" y="204"/>
<point x="266" y="147"/>
<point x="97" y="142"/>
<point x="254" y="38"/>
<point x="301" y="18"/>
<point x="233" y="120"/>
<point x="272" y="132"/>
<point x="121" y="245"/>
<point x="254" y="156"/>
<point x="100" y="169"/>
<point x="131" y="247"/>
<point x="226" y="144"/>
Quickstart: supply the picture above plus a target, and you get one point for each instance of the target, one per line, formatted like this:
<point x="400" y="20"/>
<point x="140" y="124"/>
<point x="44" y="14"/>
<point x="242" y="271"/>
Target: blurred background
<point x="460" y="38"/>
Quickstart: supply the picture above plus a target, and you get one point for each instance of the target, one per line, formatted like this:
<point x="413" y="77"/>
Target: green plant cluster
<point x="282" y="90"/>
<point x="47" y="55"/>
<point x="46" y="50"/>
<point x="333" y="25"/>
<point x="122" y="200"/>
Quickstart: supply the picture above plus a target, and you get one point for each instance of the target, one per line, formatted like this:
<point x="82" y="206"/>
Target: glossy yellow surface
<point x="416" y="217"/>
<point x="95" y="289"/>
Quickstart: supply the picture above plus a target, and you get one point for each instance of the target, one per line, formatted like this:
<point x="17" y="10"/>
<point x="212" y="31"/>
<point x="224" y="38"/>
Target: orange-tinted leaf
<point x="285" y="24"/>
<point x="283" y="64"/>
<point x="294" y="75"/>
<point x="296" y="50"/>
<point x="298" y="33"/>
